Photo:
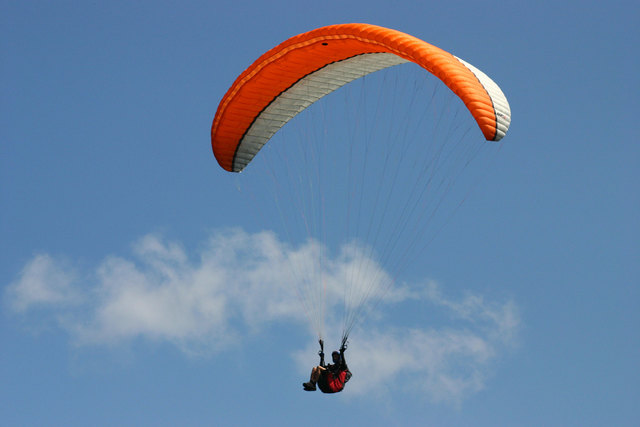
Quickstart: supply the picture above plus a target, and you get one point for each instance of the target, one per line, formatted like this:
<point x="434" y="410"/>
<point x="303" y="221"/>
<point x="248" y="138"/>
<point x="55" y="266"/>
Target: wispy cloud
<point x="239" y="283"/>
<point x="43" y="282"/>
<point x="447" y="363"/>
<point x="159" y="293"/>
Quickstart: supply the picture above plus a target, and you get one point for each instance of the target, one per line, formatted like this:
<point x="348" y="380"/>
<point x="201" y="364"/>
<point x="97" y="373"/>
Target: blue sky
<point x="128" y="296"/>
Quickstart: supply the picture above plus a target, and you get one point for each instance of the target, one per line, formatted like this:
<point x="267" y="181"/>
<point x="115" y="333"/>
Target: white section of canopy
<point x="500" y="103"/>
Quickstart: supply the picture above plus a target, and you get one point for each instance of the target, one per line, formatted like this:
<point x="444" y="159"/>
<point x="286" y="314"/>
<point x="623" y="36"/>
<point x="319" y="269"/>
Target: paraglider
<point x="289" y="78"/>
<point x="330" y="378"/>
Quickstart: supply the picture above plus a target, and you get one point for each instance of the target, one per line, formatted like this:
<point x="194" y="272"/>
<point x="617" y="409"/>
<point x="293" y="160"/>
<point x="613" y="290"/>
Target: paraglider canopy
<point x="301" y="70"/>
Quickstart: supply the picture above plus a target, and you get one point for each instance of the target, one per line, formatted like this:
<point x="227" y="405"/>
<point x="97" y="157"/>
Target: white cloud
<point x="42" y="282"/>
<point x="446" y="364"/>
<point x="239" y="283"/>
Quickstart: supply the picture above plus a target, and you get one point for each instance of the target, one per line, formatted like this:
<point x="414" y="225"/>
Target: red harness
<point x="330" y="383"/>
